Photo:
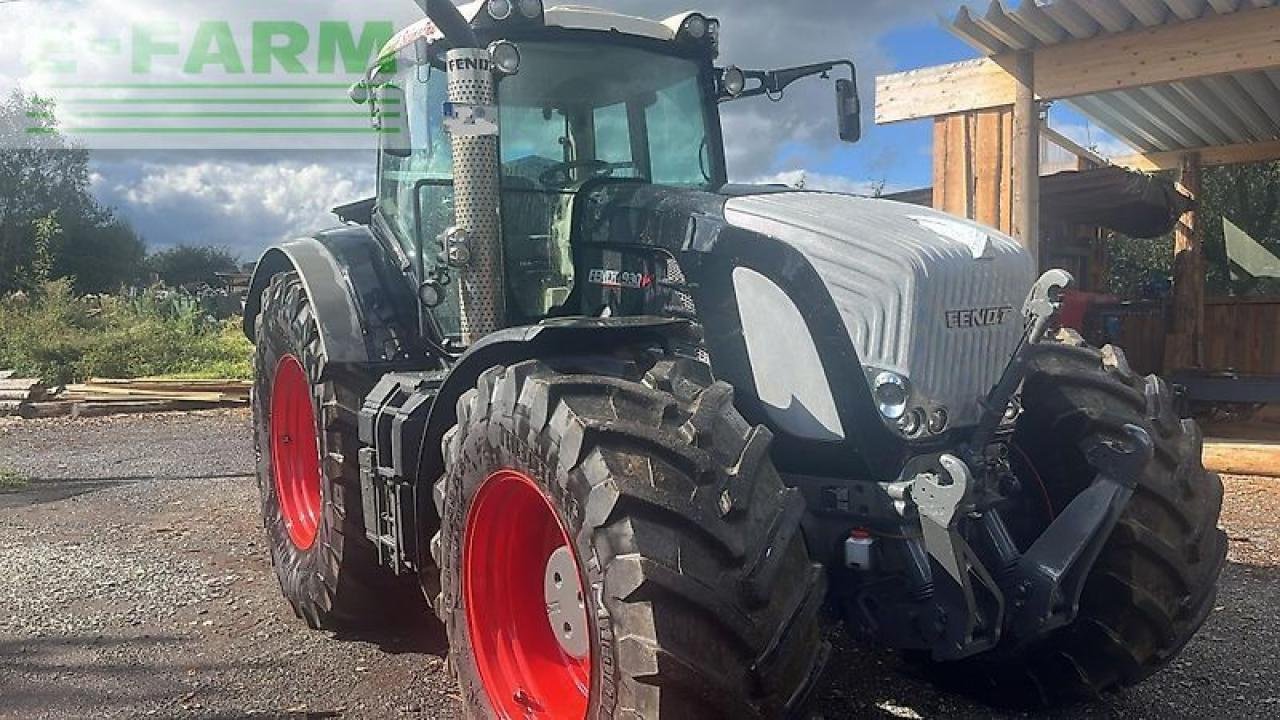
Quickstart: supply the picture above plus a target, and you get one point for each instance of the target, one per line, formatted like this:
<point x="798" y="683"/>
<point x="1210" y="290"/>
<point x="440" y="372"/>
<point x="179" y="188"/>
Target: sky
<point x="247" y="197"/>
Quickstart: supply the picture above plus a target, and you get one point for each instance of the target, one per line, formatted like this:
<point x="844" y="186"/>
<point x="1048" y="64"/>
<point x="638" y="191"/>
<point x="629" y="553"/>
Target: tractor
<point x="646" y="439"/>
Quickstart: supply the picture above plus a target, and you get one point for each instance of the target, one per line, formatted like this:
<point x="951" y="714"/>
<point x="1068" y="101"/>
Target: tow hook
<point x="943" y="494"/>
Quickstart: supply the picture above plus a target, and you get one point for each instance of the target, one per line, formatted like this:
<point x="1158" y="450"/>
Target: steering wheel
<point x="562" y="175"/>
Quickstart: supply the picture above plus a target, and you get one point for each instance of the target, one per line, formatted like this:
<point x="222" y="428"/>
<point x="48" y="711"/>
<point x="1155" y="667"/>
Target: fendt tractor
<point x="646" y="439"/>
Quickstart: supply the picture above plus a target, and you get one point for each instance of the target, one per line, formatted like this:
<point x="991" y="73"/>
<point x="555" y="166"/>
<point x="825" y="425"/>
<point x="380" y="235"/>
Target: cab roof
<point x="574" y="17"/>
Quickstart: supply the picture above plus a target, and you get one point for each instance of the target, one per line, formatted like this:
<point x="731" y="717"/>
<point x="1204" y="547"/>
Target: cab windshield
<point x="578" y="111"/>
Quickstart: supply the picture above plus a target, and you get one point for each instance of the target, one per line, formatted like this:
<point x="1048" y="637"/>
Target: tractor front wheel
<point x="621" y="547"/>
<point x="1154" y="583"/>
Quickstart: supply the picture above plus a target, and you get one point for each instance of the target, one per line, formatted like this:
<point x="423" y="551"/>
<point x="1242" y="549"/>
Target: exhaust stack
<point x="474" y="245"/>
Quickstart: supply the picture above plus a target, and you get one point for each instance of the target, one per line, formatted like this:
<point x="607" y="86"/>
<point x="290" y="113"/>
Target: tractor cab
<point x="581" y="97"/>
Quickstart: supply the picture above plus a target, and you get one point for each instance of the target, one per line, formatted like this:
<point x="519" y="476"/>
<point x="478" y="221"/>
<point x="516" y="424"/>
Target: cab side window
<point x="416" y="158"/>
<point x="414" y="148"/>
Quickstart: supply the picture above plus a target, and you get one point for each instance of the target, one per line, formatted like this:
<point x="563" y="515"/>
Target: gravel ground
<point x="134" y="582"/>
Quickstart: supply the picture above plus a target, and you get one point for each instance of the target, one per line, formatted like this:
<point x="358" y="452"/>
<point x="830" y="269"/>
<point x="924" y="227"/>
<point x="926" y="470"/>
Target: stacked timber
<point x="15" y="392"/>
<point x="104" y="396"/>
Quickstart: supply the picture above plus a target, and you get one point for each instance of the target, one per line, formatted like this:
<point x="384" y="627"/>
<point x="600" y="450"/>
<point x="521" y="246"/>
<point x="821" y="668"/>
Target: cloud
<point x="220" y="199"/>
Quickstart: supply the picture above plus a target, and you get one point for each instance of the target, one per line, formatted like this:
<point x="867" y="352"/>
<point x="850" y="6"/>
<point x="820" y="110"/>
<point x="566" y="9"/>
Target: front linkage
<point x="1020" y="594"/>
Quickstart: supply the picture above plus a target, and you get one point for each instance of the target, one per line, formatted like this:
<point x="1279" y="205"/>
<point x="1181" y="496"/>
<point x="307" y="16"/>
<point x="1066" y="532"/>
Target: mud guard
<point x="361" y="300"/>
<point x="567" y="337"/>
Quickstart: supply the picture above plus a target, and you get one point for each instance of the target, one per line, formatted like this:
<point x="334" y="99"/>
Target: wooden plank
<point x="953" y="165"/>
<point x="170" y="383"/>
<point x="95" y="409"/>
<point x="942" y="90"/>
<point x="941" y="149"/>
<point x="107" y="393"/>
<point x="1242" y="458"/>
<point x="1234" y="43"/>
<point x="9" y="407"/>
<point x="985" y="134"/>
<point x="22" y="389"/>
<point x="1238" y="42"/>
<point x="210" y="390"/>
<point x="1006" y="174"/>
<point x="1209" y="157"/>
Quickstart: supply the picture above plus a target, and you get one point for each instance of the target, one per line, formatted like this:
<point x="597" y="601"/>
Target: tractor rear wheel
<point x="308" y="473"/>
<point x="618" y="547"/>
<point x="1156" y="579"/>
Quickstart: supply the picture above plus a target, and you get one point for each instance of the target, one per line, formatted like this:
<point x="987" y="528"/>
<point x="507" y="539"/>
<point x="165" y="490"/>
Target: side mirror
<point x="848" y="110"/>
<point x="391" y="118"/>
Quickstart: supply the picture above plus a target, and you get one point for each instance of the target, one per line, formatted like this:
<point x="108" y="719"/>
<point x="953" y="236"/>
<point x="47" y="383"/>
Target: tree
<point x="1249" y="196"/>
<point x="49" y="221"/>
<point x="186" y="265"/>
<point x="102" y="258"/>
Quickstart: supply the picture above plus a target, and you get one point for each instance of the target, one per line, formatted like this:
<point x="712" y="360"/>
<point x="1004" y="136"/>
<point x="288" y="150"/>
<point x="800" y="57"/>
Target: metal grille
<point x="476" y="198"/>
<point x="679" y="302"/>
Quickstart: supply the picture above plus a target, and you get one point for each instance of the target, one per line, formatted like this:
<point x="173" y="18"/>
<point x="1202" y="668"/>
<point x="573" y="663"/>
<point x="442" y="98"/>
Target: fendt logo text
<point x="978" y="317"/>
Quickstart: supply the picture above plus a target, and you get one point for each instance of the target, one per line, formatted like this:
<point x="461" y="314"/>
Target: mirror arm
<point x="773" y="82"/>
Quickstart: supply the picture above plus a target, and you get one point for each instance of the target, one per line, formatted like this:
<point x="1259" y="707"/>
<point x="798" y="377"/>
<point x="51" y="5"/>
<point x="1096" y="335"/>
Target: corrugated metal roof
<point x="1223" y="110"/>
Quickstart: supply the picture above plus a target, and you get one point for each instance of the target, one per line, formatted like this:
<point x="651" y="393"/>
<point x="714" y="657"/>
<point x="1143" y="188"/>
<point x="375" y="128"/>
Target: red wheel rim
<point x="295" y="456"/>
<point x="516" y="556"/>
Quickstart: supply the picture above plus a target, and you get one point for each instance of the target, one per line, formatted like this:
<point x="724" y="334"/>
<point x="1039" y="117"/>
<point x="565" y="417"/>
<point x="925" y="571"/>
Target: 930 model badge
<point x="620" y="279"/>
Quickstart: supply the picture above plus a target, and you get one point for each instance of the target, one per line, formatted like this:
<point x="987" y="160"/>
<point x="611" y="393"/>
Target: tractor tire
<point x="701" y="600"/>
<point x="307" y="445"/>
<point x="1155" y="581"/>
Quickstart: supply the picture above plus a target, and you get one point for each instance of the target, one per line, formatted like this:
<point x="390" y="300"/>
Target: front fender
<point x="568" y="337"/>
<point x="364" y="306"/>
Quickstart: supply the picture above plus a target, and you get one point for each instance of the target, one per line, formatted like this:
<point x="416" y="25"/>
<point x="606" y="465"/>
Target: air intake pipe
<point x="474" y="245"/>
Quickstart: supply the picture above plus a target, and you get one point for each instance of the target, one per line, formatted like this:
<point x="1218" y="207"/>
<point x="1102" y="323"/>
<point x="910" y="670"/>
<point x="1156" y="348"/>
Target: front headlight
<point x="892" y="393"/>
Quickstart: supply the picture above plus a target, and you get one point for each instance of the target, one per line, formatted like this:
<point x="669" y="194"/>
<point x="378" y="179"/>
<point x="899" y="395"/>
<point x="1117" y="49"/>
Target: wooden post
<point x="1185" y="348"/>
<point x="1026" y="157"/>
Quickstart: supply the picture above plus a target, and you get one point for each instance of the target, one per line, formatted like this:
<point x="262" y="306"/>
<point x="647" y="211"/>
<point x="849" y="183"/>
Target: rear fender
<point x="365" y="307"/>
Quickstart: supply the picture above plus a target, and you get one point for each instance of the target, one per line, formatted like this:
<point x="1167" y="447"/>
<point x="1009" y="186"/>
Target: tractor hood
<point x="927" y="296"/>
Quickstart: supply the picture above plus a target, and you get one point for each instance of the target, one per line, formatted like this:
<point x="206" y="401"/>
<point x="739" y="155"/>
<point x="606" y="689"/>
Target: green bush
<point x="59" y="337"/>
